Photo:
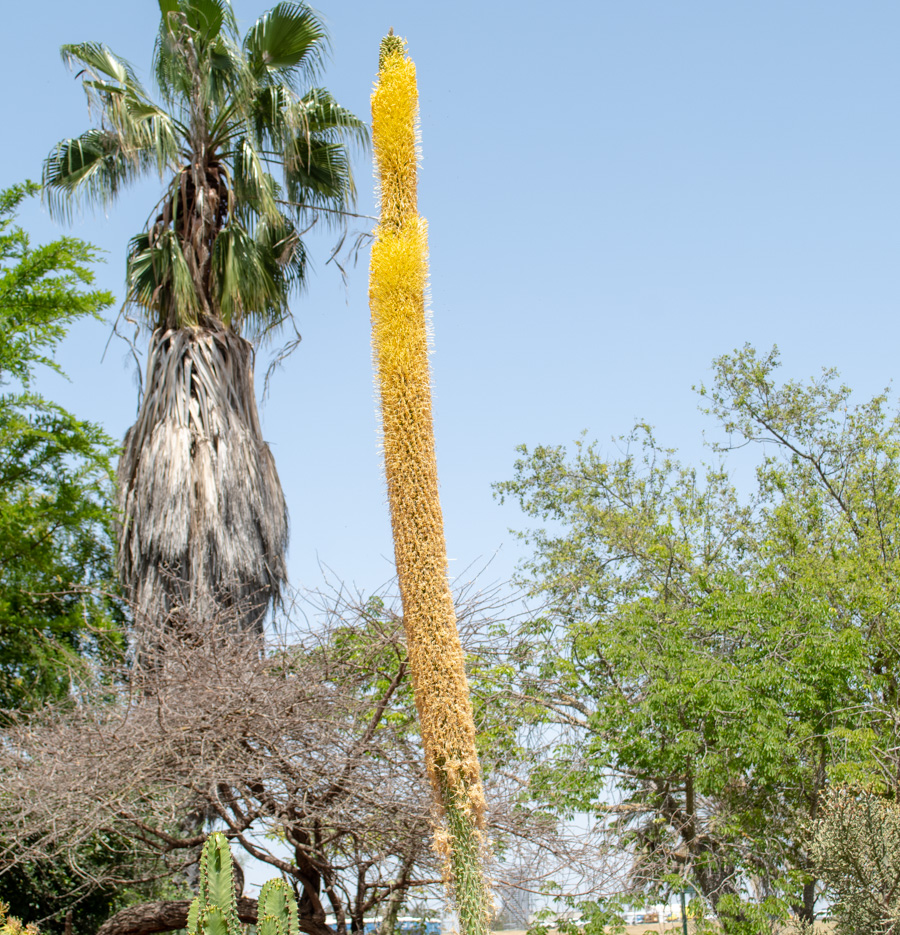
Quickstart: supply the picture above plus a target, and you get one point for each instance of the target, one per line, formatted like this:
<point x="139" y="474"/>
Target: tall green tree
<point x="714" y="659"/>
<point x="59" y="618"/>
<point x="249" y="152"/>
<point x="56" y="537"/>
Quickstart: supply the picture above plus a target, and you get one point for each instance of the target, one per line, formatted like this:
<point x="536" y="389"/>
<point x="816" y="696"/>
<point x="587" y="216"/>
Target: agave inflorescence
<point x="398" y="277"/>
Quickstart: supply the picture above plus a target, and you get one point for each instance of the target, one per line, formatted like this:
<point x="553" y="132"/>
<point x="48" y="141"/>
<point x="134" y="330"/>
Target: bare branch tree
<point x="307" y="756"/>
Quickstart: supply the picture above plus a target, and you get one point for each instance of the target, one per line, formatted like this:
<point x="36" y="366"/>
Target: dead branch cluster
<point x="306" y="755"/>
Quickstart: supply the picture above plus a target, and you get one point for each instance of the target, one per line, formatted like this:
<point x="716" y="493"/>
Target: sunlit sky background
<point x="616" y="193"/>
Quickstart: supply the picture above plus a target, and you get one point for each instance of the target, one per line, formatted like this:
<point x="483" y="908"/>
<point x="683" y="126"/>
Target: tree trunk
<point x="171" y="915"/>
<point x="203" y="519"/>
<point x="165" y="916"/>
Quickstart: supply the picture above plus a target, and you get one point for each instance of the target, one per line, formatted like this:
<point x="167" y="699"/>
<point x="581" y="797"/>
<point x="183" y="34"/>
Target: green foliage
<point x="44" y="891"/>
<point x="596" y="917"/>
<point x="214" y="910"/>
<point x="56" y="548"/>
<point x="714" y="659"/>
<point x="57" y="615"/>
<point x="246" y="153"/>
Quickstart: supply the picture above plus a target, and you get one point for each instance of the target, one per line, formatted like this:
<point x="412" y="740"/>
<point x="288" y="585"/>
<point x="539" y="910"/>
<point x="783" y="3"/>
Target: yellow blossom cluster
<point x="400" y="339"/>
<point x="10" y="925"/>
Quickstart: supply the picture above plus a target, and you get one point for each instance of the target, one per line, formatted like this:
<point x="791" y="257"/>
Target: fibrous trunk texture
<point x="204" y="527"/>
<point x="400" y="343"/>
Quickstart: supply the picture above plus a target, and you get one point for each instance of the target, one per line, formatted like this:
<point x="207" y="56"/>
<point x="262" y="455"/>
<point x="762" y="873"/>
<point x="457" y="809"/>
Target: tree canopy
<point x="713" y="657"/>
<point x="308" y="759"/>
<point x="56" y="547"/>
<point x="248" y="150"/>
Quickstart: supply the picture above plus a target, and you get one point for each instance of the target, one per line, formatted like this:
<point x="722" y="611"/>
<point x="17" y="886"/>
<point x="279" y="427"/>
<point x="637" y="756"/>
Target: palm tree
<point x="203" y="518"/>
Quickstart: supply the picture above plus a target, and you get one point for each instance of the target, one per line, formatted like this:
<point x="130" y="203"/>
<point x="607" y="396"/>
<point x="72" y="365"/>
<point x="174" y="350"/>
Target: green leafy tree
<point x="56" y="546"/>
<point x="714" y="660"/>
<point x="248" y="153"/>
<point x="45" y="892"/>
<point x="59" y="617"/>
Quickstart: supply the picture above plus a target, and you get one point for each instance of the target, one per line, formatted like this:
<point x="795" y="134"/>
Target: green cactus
<point x="277" y="910"/>
<point x="214" y="911"/>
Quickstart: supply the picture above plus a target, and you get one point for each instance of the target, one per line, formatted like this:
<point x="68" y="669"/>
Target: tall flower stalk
<point x="398" y="277"/>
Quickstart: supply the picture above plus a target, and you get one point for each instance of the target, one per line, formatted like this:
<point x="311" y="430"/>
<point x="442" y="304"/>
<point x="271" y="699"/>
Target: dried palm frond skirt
<point x="203" y="521"/>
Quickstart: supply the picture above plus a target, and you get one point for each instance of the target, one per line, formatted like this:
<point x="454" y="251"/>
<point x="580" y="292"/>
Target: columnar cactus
<point x="397" y="283"/>
<point x="277" y="910"/>
<point x="214" y="911"/>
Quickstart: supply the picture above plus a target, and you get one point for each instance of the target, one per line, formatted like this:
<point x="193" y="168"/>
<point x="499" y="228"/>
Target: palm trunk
<point x="203" y="519"/>
<point x="400" y="340"/>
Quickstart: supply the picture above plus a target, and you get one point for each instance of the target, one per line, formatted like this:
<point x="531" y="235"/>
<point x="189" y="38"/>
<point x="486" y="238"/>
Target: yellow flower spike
<point x="398" y="280"/>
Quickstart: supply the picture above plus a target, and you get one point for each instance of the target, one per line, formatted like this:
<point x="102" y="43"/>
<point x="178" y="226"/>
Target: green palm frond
<point x="169" y="72"/>
<point x="238" y="141"/>
<point x="252" y="273"/>
<point x="204" y="18"/>
<point x="99" y="60"/>
<point x="285" y="252"/>
<point x="225" y="77"/>
<point x="136" y="134"/>
<point x="284" y="124"/>
<point x="90" y="169"/>
<point x="234" y="262"/>
<point x="286" y="44"/>
<point x="316" y="163"/>
<point x="321" y="114"/>
<point x="319" y="176"/>
<point x="271" y="114"/>
<point x="115" y="99"/>
<point x="158" y="275"/>
<point x="196" y="51"/>
<point x="254" y="187"/>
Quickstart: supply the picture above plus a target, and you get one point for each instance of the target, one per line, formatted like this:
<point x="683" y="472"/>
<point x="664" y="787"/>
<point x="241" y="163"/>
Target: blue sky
<point x="616" y="194"/>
